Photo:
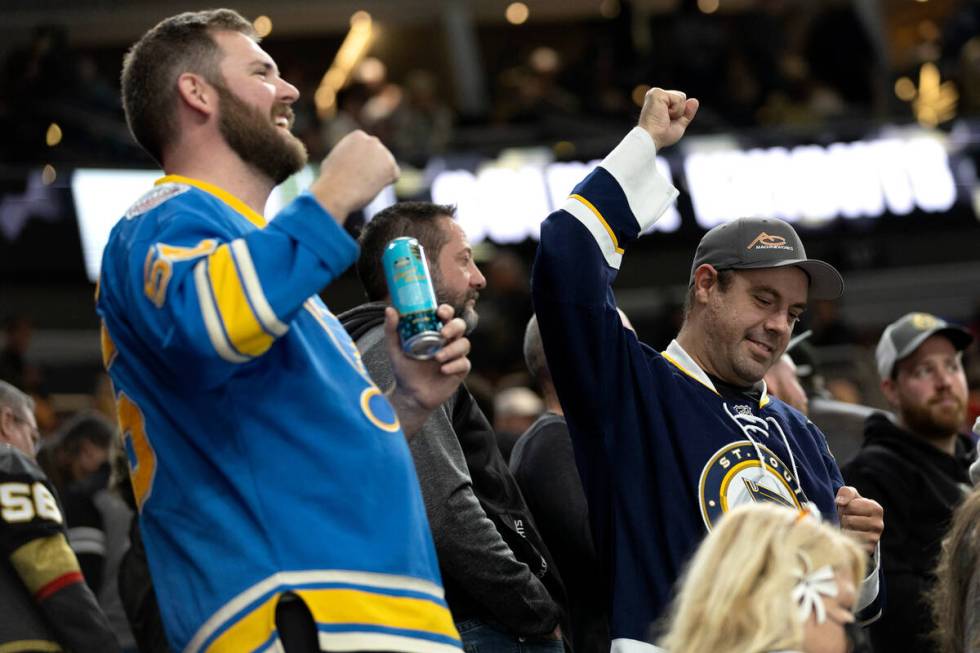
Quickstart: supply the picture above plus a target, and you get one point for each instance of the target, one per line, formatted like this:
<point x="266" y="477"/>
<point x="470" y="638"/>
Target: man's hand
<point x="421" y="386"/>
<point x="355" y="171"/>
<point x="864" y="518"/>
<point x="666" y="115"/>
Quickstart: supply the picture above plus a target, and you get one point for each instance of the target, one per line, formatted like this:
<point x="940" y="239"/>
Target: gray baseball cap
<point x="904" y="335"/>
<point x="750" y="243"/>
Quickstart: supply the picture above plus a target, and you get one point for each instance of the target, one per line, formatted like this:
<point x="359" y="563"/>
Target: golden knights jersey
<point x="661" y="452"/>
<point x="263" y="458"/>
<point x="45" y="604"/>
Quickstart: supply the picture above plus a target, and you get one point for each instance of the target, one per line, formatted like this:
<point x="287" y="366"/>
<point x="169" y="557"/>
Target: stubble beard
<point x="738" y="360"/>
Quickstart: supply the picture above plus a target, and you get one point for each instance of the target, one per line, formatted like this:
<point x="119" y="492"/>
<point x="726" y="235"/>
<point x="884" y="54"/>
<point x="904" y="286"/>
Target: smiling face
<point x="747" y="326"/>
<point x="929" y="389"/>
<point x="254" y="113"/>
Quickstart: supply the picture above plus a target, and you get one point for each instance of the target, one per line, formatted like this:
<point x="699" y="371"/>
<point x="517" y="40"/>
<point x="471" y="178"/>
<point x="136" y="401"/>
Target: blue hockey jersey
<point x="661" y="453"/>
<point x="263" y="458"/>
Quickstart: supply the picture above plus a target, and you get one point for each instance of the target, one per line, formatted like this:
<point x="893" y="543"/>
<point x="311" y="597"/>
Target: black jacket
<point x="543" y="462"/>
<point x="918" y="486"/>
<point x="43" y="602"/>
<point x="478" y="517"/>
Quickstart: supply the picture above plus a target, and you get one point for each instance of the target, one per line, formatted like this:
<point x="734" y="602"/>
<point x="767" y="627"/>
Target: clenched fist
<point x="355" y="171"/>
<point x="863" y="518"/>
<point x="666" y="115"/>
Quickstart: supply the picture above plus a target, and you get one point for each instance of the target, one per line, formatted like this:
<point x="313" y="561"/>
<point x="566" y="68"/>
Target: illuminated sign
<point x="506" y="201"/>
<point x="816" y="184"/>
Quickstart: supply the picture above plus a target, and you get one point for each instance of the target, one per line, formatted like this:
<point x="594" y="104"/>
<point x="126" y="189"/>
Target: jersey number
<point x="142" y="458"/>
<point x="20" y="502"/>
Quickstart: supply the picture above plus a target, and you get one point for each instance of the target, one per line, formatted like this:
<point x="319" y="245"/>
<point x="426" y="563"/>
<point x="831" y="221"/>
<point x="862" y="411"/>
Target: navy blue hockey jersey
<point x="661" y="453"/>
<point x="263" y="457"/>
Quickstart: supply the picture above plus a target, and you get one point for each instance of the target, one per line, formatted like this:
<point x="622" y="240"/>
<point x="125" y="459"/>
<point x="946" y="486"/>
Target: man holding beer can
<point x="501" y="584"/>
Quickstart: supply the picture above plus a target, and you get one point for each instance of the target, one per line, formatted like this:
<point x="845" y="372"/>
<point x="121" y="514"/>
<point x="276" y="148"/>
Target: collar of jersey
<point x="220" y="193"/>
<point x="680" y="359"/>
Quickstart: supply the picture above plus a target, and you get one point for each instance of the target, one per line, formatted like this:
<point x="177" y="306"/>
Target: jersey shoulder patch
<point x="155" y="197"/>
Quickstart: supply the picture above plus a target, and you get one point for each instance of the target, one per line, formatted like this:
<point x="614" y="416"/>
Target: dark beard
<point x="257" y="140"/>
<point x="469" y="315"/>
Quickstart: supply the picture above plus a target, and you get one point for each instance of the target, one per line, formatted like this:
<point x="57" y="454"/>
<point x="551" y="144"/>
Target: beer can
<point x="413" y="296"/>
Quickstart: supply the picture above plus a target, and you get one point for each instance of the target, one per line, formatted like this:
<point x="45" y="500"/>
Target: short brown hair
<point x="725" y="279"/>
<point x="174" y="46"/>
<point x="419" y="220"/>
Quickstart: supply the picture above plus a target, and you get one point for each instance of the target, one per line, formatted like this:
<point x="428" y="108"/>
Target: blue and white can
<point x="413" y="296"/>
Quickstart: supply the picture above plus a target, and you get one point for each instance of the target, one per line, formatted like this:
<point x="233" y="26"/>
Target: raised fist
<point x="355" y="171"/>
<point x="666" y="115"/>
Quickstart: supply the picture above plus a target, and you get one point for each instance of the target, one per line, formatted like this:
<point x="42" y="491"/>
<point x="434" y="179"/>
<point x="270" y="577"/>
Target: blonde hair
<point x="735" y="596"/>
<point x="958" y="569"/>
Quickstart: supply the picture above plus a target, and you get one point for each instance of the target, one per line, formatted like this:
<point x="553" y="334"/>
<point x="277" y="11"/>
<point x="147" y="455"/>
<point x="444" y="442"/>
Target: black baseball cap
<point x="903" y="336"/>
<point x="755" y="243"/>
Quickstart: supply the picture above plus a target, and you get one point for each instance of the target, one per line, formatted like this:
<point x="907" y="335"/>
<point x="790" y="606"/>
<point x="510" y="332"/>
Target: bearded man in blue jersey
<point x="278" y="501"/>
<point x="667" y="442"/>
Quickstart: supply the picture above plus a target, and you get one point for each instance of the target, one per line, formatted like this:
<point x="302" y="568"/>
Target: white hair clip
<point x="810" y="586"/>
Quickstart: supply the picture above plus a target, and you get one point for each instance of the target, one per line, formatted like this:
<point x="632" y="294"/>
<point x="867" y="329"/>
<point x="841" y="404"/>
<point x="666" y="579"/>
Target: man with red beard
<point x="917" y="468"/>
<point x="278" y="502"/>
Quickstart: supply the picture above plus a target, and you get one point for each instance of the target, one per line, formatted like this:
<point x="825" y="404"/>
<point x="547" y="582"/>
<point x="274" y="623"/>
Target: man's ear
<point x="195" y="92"/>
<point x="889" y="389"/>
<point x="6" y="422"/>
<point x="705" y="281"/>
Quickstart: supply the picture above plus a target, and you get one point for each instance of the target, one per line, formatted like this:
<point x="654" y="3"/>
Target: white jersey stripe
<point x="263" y="311"/>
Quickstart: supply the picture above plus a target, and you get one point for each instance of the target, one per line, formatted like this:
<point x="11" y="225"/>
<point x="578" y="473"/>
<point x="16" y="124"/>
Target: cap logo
<point x="765" y="241"/>
<point x="924" y="321"/>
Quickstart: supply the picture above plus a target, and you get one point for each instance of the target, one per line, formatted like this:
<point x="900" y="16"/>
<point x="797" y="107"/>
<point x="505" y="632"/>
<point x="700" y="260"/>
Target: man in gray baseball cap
<point x="917" y="468"/>
<point x="668" y="442"/>
<point x="756" y="243"/>
<point x="737" y="336"/>
<point x="903" y="336"/>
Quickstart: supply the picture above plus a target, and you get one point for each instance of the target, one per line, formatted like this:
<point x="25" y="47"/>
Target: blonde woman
<point x="956" y="596"/>
<point x="768" y="579"/>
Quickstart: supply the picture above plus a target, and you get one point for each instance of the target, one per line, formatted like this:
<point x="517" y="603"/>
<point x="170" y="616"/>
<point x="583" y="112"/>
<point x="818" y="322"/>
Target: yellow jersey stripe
<point x="276" y="582"/>
<point x="250" y="632"/>
<point x="212" y="322"/>
<point x="685" y="371"/>
<point x="220" y="193"/>
<point x="243" y="328"/>
<point x="352" y="606"/>
<point x="43" y="560"/>
<point x="344" y="607"/>
<point x="29" y="646"/>
<point x="108" y="346"/>
<point x="602" y="220"/>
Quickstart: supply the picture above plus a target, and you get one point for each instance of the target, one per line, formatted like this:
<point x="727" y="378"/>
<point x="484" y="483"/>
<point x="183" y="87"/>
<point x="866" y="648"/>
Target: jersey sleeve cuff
<point x="633" y="163"/>
<point x="871" y="583"/>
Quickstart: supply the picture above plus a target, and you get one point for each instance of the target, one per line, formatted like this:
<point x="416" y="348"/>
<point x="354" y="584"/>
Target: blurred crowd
<point x="774" y="64"/>
<point x="897" y="402"/>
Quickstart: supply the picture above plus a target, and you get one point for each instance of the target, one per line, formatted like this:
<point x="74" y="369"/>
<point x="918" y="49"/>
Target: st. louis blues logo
<point x="736" y="475"/>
